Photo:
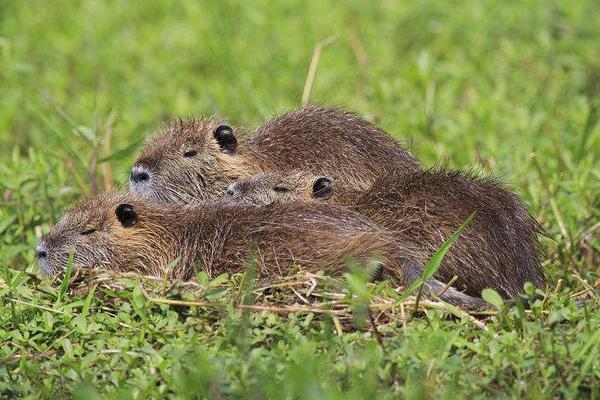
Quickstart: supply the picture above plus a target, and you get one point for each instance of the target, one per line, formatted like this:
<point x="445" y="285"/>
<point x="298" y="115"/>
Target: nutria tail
<point x="454" y="297"/>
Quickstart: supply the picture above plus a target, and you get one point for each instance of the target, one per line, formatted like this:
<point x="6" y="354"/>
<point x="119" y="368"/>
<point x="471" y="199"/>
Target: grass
<point x="510" y="88"/>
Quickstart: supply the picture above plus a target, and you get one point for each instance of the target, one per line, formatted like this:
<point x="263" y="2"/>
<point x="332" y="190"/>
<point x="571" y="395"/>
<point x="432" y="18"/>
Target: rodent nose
<point x="230" y="190"/>
<point x="40" y="253"/>
<point x="139" y="175"/>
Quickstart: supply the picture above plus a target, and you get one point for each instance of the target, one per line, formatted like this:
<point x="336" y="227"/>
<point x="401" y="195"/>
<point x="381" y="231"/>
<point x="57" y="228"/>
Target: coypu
<point x="125" y="232"/>
<point x="197" y="159"/>
<point x="499" y="250"/>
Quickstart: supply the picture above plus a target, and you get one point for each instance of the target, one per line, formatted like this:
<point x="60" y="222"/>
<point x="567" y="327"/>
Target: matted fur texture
<point x="499" y="250"/>
<point x="328" y="141"/>
<point x="218" y="238"/>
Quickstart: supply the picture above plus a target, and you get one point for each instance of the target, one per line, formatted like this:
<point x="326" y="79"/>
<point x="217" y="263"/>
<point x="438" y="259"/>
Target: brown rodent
<point x="124" y="232"/>
<point x="197" y="159"/>
<point x="498" y="250"/>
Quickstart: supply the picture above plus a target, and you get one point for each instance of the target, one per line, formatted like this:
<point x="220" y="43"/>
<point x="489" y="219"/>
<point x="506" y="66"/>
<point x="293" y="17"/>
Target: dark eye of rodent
<point x="88" y="231"/>
<point x="190" y="153"/>
<point x="281" y="189"/>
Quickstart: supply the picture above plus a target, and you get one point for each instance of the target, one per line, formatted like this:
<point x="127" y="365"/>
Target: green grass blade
<point x="64" y="285"/>
<point x="434" y="263"/>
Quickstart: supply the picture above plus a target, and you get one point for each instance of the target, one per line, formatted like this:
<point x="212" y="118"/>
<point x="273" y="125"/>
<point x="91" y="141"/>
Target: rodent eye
<point x="88" y="231"/>
<point x="281" y="189"/>
<point x="190" y="153"/>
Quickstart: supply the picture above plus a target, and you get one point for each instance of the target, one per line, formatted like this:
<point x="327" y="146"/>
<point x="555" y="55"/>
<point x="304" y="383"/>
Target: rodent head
<point x="107" y="231"/>
<point x="276" y="188"/>
<point x="187" y="161"/>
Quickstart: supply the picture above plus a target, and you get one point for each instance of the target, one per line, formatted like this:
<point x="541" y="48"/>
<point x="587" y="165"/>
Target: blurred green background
<point x="509" y="88"/>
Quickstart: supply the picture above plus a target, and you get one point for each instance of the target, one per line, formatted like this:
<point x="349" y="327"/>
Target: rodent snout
<point x="40" y="252"/>
<point x="230" y="189"/>
<point x="139" y="175"/>
<point x="43" y="259"/>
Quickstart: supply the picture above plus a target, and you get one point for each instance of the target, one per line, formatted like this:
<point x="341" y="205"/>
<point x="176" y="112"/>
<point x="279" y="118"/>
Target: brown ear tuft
<point x="225" y="138"/>
<point x="322" y="188"/>
<point x="126" y="215"/>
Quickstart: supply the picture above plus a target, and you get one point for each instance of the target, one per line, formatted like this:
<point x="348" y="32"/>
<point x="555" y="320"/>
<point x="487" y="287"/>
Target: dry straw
<point x="304" y="292"/>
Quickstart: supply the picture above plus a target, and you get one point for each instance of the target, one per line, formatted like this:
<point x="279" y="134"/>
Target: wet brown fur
<point x="327" y="141"/>
<point x="499" y="250"/>
<point x="218" y="238"/>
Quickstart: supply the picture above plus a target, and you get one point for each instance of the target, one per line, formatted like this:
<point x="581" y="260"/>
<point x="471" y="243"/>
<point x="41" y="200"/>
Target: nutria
<point x="198" y="158"/>
<point x="499" y="250"/>
<point x="124" y="232"/>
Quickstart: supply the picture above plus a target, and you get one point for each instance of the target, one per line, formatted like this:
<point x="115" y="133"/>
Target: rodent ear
<point x="126" y="215"/>
<point x="322" y="188"/>
<point x="225" y="138"/>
